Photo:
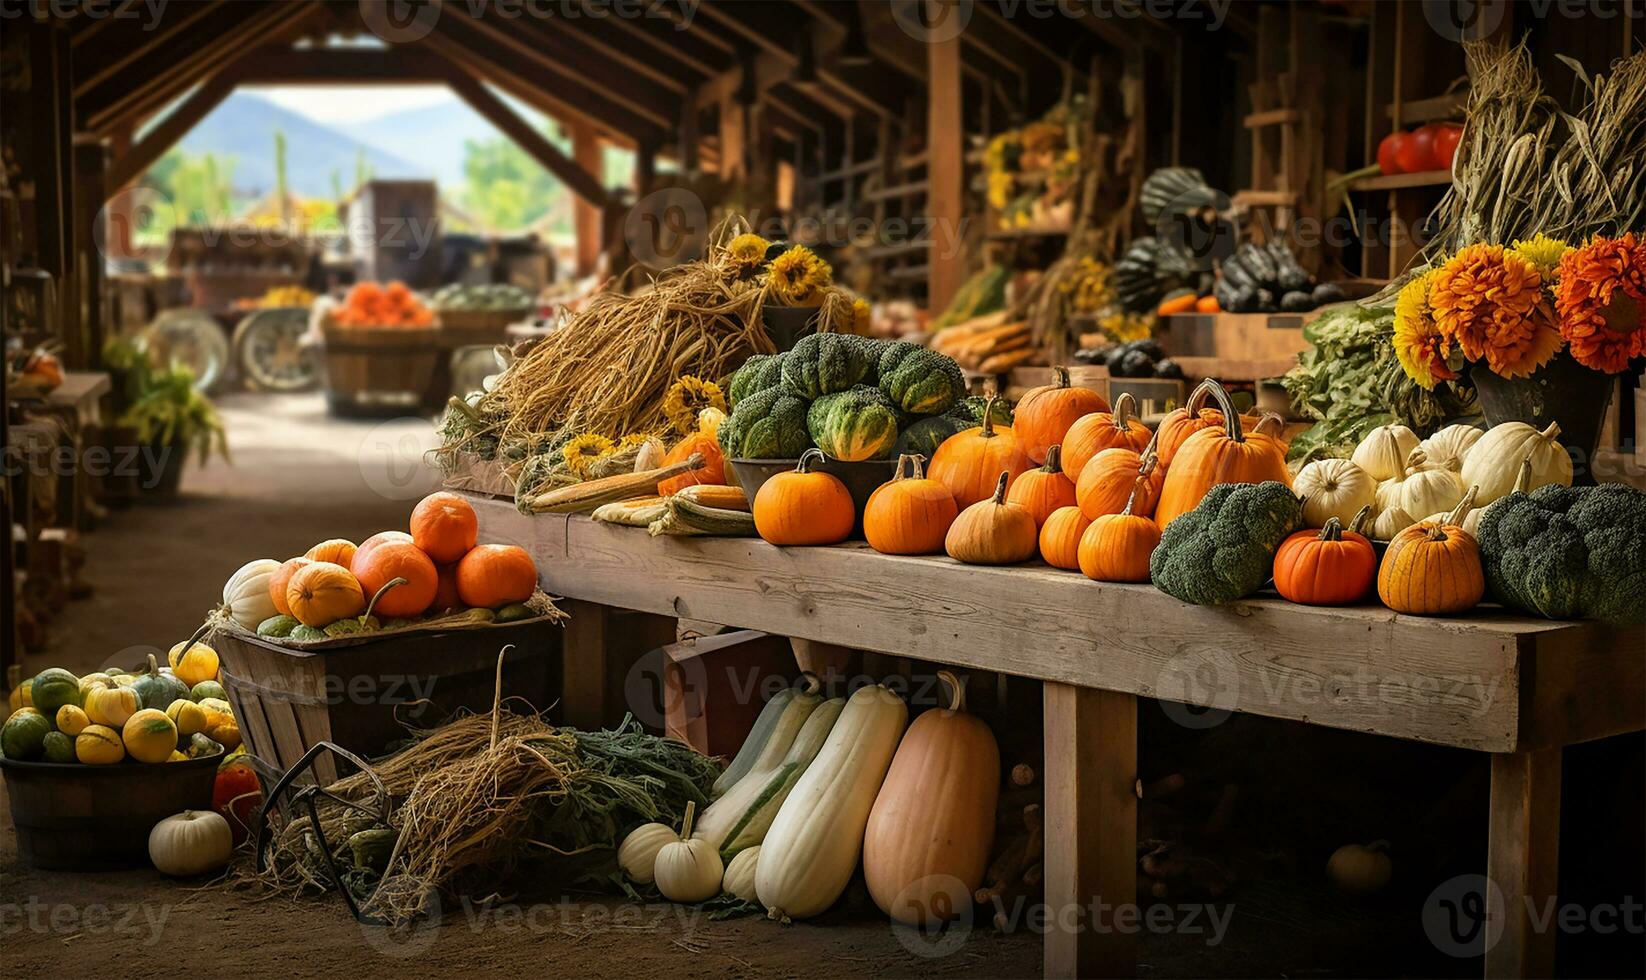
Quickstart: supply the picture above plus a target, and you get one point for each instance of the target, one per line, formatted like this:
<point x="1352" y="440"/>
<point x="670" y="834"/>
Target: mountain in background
<point x="243" y="127"/>
<point x="435" y="136"/>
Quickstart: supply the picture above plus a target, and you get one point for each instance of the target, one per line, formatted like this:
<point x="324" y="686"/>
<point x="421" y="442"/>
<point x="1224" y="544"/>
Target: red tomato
<point x="1446" y="139"/>
<point x="1418" y="154"/>
<point x="1388" y="152"/>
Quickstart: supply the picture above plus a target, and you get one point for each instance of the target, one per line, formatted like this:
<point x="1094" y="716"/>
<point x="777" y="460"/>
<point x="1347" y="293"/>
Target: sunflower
<point x="634" y="440"/>
<point x="798" y="277"/>
<point x="748" y="253"/>
<point x="1600" y="296"/>
<point x="1542" y="252"/>
<point x="582" y="452"/>
<point x="1418" y="342"/>
<point x="688" y="396"/>
<point x="1488" y="300"/>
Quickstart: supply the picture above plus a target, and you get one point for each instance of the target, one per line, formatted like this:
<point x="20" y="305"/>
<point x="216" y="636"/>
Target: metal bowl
<point x="861" y="478"/>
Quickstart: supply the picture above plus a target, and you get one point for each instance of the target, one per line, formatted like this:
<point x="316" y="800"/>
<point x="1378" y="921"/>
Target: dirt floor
<point x="299" y="476"/>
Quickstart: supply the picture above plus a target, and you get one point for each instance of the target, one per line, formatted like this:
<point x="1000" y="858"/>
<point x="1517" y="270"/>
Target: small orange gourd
<point x="992" y="531"/>
<point x="1180" y="423"/>
<point x="444" y="525"/>
<point x="1044" y="489"/>
<point x="968" y="462"/>
<point x="805" y="507"/>
<point x="1107" y="483"/>
<point x="403" y="560"/>
<point x="1116" y="547"/>
<point x="282" y="578"/>
<point x="321" y="592"/>
<point x="910" y="514"/>
<point x="1226" y="454"/>
<point x="1093" y="433"/>
<point x="712" y="471"/>
<point x="1433" y="568"/>
<point x="1044" y="414"/>
<point x="1060" y="537"/>
<point x="1329" y="567"/>
<point x="338" y="551"/>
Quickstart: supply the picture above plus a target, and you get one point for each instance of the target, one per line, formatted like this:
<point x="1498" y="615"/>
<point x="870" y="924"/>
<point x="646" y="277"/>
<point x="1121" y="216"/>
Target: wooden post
<point x="732" y="136"/>
<point x="586" y="214"/>
<point x="584" y="649"/>
<point x="688" y="135"/>
<point x="945" y="165"/>
<point x="1523" y="861"/>
<point x="1091" y="832"/>
<point x="91" y="161"/>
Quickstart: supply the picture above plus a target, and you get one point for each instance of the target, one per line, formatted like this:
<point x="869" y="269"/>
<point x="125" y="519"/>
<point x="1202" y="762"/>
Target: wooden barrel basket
<point x="363" y="696"/>
<point x="379" y="370"/>
<point x="72" y="817"/>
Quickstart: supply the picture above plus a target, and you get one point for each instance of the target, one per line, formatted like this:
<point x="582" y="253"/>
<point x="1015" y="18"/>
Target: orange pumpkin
<point x="969" y="462"/>
<point x="1044" y="414"/>
<point x="1107" y="482"/>
<point x="281" y="579"/>
<point x="1432" y="568"/>
<point x="381" y="537"/>
<point x="1043" y="490"/>
<point x="1221" y="455"/>
<point x="338" y="551"/>
<point x="1060" y="537"/>
<point x="1179" y="424"/>
<point x="992" y="531"/>
<point x="322" y="592"/>
<point x="444" y="526"/>
<point x="712" y="471"/>
<point x="805" y="507"/>
<point x="1329" y="567"/>
<point x="927" y="842"/>
<point x="387" y="562"/>
<point x="1116" y="548"/>
<point x="445" y="588"/>
<point x="910" y="514"/>
<point x="493" y="575"/>
<point x="1104" y="430"/>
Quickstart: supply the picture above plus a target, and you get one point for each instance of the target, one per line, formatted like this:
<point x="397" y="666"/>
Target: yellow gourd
<point x="149" y="736"/>
<point x="111" y="707"/>
<point x="193" y="664"/>
<point x="99" y="745"/>
<point x="187" y="716"/>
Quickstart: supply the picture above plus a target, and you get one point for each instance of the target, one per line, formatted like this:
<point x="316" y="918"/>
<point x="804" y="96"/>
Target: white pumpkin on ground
<point x="739" y="880"/>
<point x="191" y="843"/>
<point x="1334" y="488"/>
<point x="637" y="855"/>
<point x="246" y="594"/>
<point x="688" y="870"/>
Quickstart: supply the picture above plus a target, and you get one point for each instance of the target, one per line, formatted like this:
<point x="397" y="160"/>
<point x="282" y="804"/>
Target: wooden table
<point x="1515" y="687"/>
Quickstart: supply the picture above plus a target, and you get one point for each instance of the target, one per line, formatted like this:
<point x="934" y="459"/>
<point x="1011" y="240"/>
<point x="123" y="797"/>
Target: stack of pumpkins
<point x="819" y="783"/>
<point x="338" y="588"/>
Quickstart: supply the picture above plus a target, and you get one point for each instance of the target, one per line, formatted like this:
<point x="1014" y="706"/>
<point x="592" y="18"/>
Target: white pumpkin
<point x="1384" y="450"/>
<point x="190" y="843"/>
<point x="688" y="870"/>
<point x="1356" y="869"/>
<point x="739" y="880"/>
<point x="1469" y="520"/>
<point x="246" y="597"/>
<point x="1334" y="488"/>
<point x="637" y="855"/>
<point x="1423" y="488"/>
<point x="1451" y="445"/>
<point x="1390" y="522"/>
<point x="1494" y="462"/>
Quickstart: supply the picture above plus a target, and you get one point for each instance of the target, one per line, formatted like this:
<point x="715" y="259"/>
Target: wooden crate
<point x="367" y="367"/>
<point x="715" y="686"/>
<point x="1154" y="396"/>
<point x="358" y="696"/>
<point x="1093" y="376"/>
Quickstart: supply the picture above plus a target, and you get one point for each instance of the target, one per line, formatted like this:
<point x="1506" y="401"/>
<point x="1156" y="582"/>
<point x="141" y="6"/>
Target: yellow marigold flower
<point x="1484" y="299"/>
<point x="798" y="277"/>
<point x="747" y="252"/>
<point x="1542" y="251"/>
<point x="1418" y="342"/>
<point x="688" y="396"/>
<point x="582" y="452"/>
<point x="1599" y="298"/>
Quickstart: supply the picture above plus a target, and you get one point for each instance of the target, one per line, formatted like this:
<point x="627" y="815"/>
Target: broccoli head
<point x="1224" y="549"/>
<point x="823" y="363"/>
<point x="1568" y="552"/>
<point x="919" y="380"/>
<point x="765" y="424"/>
<point x="759" y="372"/>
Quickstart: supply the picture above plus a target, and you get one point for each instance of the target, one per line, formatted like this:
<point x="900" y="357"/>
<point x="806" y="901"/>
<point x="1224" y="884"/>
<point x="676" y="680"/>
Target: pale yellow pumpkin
<point x="111" y="706"/>
<point x="193" y="664"/>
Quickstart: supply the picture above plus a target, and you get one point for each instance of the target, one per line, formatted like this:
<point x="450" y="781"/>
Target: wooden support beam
<point x="584" y="646"/>
<point x="578" y="180"/>
<point x="771" y="30"/>
<point x="586" y="215"/>
<point x="733" y="139"/>
<point x="142" y="155"/>
<point x="1091" y="831"/>
<point x="127" y="46"/>
<point x="1523" y="864"/>
<point x="945" y="168"/>
<point x="324" y="66"/>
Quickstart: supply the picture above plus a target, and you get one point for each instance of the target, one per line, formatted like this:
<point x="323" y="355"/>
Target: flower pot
<point x="785" y="325"/>
<point x="160" y="469"/>
<point x="1562" y="391"/>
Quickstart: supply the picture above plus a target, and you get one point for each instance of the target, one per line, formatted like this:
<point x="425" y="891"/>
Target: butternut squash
<point x="741" y="818"/>
<point x="933" y="823"/>
<point x="812" y="848"/>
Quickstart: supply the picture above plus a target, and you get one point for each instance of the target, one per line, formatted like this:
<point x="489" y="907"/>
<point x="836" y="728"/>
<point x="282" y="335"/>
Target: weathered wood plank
<point x="1523" y="862"/>
<point x="585" y="647"/>
<point x="1091" y="832"/>
<point x="1457" y="681"/>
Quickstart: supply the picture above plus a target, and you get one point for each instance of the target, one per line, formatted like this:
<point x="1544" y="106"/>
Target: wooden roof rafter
<point x="107" y="60"/>
<point x="660" y="66"/>
<point x="141" y="155"/>
<point x="706" y="55"/>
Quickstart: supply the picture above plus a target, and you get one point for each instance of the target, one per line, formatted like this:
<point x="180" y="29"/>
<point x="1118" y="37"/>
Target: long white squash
<point x="812" y="848"/>
<point x="773" y="732"/>
<point x="741" y="818"/>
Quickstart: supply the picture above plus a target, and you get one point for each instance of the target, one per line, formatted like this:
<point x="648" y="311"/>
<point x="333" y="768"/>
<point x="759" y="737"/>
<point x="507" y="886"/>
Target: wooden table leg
<point x="1523" y="860"/>
<point x="1091" y="831"/>
<point x="583" y="663"/>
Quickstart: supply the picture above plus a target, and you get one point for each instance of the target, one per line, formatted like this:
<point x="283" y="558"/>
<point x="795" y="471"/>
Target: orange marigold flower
<point x="1599" y="299"/>
<point x="1484" y="298"/>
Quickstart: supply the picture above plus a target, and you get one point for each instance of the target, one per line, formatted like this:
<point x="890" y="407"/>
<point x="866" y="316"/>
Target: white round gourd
<point x="1493" y="464"/>
<point x="1450" y="446"/>
<point x="1384" y="450"/>
<point x="1334" y="488"/>
<point x="688" y="870"/>
<point x="1424" y="488"/>
<point x="246" y="597"/>
<point x="190" y="843"/>
<point x="739" y="879"/>
<point x="637" y="855"/>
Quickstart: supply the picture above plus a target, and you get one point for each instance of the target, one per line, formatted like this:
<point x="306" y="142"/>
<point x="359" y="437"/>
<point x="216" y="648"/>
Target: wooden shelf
<point x="1272" y="117"/>
<point x="1448" y="106"/>
<point x="1261" y="199"/>
<point x="1395" y="182"/>
<point x="898" y="190"/>
<point x="916" y="272"/>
